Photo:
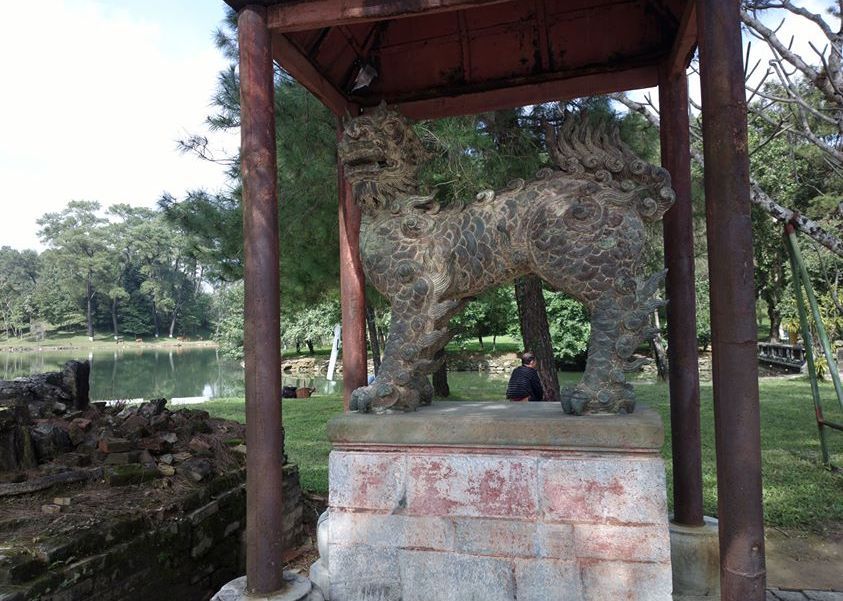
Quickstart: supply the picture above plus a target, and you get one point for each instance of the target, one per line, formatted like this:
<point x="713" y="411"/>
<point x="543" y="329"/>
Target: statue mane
<point x="382" y="156"/>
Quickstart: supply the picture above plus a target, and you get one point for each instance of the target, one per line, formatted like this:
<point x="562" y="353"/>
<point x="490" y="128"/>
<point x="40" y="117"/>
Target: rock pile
<point x="121" y="502"/>
<point x="59" y="437"/>
<point x="120" y="444"/>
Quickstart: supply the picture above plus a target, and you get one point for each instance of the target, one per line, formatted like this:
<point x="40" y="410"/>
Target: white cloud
<point x="93" y="103"/>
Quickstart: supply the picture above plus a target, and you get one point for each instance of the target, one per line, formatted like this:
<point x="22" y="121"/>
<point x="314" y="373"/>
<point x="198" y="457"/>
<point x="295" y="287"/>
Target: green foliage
<point x="569" y="327"/>
<point x="311" y="325"/>
<point x="18" y="278"/>
<point x="307" y="188"/>
<point x="491" y="314"/>
<point x="125" y="271"/>
<point x="228" y="310"/>
<point x="796" y="174"/>
<point x="701" y="288"/>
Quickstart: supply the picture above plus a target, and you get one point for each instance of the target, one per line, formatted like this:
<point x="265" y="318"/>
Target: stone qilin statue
<point x="579" y="227"/>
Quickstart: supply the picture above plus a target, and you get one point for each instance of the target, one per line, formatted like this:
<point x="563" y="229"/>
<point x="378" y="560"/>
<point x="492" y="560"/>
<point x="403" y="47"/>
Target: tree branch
<point x="756" y="193"/>
<point x="769" y="36"/>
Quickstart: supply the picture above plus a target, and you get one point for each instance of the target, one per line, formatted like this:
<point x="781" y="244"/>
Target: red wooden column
<point x="352" y="289"/>
<point x="261" y="331"/>
<point x="681" y="309"/>
<point x="734" y="335"/>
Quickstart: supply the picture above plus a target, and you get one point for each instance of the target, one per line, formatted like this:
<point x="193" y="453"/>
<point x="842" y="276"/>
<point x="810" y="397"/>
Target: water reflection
<point x="197" y="374"/>
<point x="140" y="373"/>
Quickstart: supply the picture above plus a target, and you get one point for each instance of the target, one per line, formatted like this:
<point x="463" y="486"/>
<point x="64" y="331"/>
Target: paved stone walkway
<point x="775" y="594"/>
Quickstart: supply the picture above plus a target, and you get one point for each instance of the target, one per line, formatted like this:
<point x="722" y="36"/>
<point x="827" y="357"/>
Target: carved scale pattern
<point x="580" y="228"/>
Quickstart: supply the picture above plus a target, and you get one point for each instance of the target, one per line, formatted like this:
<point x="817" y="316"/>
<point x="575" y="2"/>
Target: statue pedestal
<point x="496" y="501"/>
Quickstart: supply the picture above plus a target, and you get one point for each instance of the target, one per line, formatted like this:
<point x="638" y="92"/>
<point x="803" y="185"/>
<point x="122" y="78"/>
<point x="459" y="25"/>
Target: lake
<point x="195" y="374"/>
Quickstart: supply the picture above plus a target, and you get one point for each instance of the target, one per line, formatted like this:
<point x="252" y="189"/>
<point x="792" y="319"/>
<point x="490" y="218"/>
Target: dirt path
<point x="805" y="561"/>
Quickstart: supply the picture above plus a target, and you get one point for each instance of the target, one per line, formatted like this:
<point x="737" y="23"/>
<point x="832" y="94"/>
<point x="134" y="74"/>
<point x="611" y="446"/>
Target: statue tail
<point x="591" y="149"/>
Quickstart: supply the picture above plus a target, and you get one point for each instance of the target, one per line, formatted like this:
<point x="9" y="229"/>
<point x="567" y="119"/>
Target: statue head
<point x="381" y="155"/>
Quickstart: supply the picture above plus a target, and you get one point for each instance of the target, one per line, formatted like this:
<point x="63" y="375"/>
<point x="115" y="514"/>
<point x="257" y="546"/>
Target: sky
<point x="797" y="32"/>
<point x="97" y="94"/>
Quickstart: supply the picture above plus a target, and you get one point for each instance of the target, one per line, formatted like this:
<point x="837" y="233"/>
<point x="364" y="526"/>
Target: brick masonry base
<point x="555" y="508"/>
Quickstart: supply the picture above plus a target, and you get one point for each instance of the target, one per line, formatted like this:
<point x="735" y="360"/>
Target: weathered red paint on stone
<point x="391" y="530"/>
<point x="531" y="522"/>
<point x="472" y="486"/>
<point x="366" y="481"/>
<point x="631" y="543"/>
<point x="603" y="491"/>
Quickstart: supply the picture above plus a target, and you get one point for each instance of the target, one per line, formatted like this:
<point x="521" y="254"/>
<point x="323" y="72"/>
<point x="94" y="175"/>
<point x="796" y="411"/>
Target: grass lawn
<point x="798" y="492"/>
<point x="102" y="341"/>
<point x="501" y="344"/>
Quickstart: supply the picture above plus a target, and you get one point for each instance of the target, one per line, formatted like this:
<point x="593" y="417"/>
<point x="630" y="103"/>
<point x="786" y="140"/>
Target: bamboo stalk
<point x="808" y="338"/>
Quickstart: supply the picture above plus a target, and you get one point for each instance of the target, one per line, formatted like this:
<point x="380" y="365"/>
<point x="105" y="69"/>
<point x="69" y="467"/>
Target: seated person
<point x="524" y="383"/>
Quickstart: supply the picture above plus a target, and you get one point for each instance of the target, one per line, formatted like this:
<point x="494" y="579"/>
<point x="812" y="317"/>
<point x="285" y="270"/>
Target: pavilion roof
<point x="435" y="58"/>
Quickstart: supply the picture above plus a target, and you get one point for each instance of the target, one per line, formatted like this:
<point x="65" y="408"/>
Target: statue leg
<point x="419" y="329"/>
<point x="619" y="323"/>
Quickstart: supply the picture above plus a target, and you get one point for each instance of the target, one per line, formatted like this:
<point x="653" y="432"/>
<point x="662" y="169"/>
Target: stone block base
<point x="497" y="502"/>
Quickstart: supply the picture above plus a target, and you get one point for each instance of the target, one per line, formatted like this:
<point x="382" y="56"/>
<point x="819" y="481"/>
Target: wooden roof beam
<point x="534" y="93"/>
<point x="685" y="43"/>
<point x="300" y="15"/>
<point x="303" y="71"/>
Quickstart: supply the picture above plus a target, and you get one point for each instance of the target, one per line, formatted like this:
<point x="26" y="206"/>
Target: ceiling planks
<point x="458" y="55"/>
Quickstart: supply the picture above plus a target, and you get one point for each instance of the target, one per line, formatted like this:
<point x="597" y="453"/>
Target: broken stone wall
<point x="185" y="551"/>
<point x="120" y="502"/>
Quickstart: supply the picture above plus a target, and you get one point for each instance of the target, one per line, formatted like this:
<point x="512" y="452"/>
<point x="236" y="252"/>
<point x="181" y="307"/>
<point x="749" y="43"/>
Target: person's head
<point x="528" y="359"/>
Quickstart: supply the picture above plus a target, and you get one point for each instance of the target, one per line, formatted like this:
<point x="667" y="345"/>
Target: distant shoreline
<point x="105" y="345"/>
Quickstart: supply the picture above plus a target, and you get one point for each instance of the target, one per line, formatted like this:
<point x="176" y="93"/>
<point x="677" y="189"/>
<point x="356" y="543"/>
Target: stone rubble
<point x="121" y="502"/>
<point x="40" y="439"/>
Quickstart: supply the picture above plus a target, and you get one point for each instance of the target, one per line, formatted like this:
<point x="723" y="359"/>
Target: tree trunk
<point x="440" y="377"/>
<point x="373" y="338"/>
<point x="480" y="340"/>
<point x="659" y="354"/>
<point x="173" y="324"/>
<point x="309" y="344"/>
<point x="89" y="293"/>
<point x="494" y="342"/>
<point x="532" y="313"/>
<point x="775" y="316"/>
<point x="114" y="317"/>
<point x="298" y="347"/>
<point x="155" y="319"/>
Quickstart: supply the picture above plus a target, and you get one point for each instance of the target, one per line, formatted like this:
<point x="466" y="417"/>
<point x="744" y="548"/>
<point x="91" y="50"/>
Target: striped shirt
<point x="524" y="382"/>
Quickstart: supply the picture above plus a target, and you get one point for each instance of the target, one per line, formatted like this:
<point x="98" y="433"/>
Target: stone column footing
<point x="695" y="558"/>
<point x="298" y="589"/>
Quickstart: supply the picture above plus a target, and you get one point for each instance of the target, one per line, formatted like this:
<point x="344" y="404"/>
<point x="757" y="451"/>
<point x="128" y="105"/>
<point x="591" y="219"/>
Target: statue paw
<point x="610" y="398"/>
<point x="574" y="400"/>
<point x="376" y="398"/>
<point x="384" y="396"/>
<point x="361" y="399"/>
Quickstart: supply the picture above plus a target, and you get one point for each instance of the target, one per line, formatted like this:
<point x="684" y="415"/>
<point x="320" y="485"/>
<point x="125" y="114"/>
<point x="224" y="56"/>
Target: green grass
<point x="503" y="344"/>
<point x="799" y="493"/>
<point x="102" y="341"/>
<point x="306" y="441"/>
